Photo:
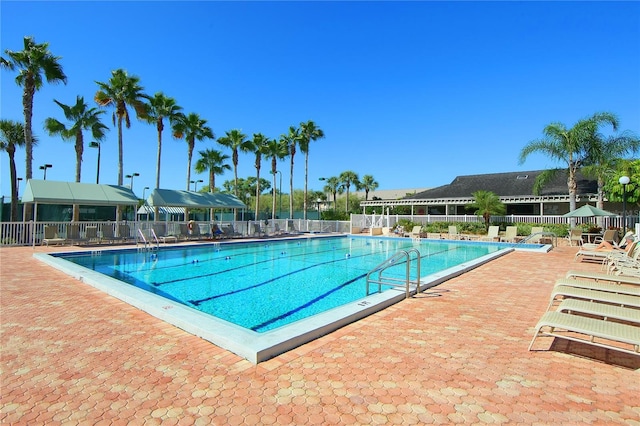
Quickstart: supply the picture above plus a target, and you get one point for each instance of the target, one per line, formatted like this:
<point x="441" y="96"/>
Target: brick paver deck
<point x="457" y="354"/>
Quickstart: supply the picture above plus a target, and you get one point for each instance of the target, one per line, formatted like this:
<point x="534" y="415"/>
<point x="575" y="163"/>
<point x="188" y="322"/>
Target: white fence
<point x="377" y="221"/>
<point x="32" y="233"/>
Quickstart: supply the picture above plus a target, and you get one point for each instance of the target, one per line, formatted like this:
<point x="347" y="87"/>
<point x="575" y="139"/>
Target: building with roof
<point x="515" y="190"/>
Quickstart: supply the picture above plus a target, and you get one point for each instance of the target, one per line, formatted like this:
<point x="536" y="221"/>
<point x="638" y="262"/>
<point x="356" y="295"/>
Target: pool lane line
<point x="239" y="267"/>
<point x="241" y="290"/>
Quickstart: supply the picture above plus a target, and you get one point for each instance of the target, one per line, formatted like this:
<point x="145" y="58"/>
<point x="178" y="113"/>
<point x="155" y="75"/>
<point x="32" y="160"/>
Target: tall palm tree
<point x="368" y="183"/>
<point x="11" y="136"/>
<point x="80" y="118"/>
<point x="604" y="156"/>
<point x="347" y="179"/>
<point x="259" y="145"/>
<point x="159" y="108"/>
<point x="309" y="132"/>
<point x="569" y="146"/>
<point x="291" y="139"/>
<point x="276" y="150"/>
<point x="121" y="91"/>
<point x="32" y="62"/>
<point x="212" y="161"/>
<point x="236" y="141"/>
<point x="487" y="203"/>
<point x="192" y="128"/>
<point x="333" y="186"/>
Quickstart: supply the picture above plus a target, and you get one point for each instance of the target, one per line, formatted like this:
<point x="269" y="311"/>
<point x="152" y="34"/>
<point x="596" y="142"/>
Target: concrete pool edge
<point x="255" y="347"/>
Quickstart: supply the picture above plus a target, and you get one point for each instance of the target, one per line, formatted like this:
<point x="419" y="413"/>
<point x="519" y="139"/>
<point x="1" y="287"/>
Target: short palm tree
<point x="333" y="186"/>
<point x="604" y="156"/>
<point x="309" y="132"/>
<point x="260" y="147"/>
<point x="276" y="150"/>
<point x="121" y="91"/>
<point x="11" y="136"/>
<point x="291" y="139"/>
<point x="159" y="108"/>
<point x="34" y="62"/>
<point x="192" y="128"/>
<point x="214" y="162"/>
<point x="368" y="183"/>
<point x="236" y="141"/>
<point x="569" y="146"/>
<point x="486" y="204"/>
<point x="80" y="118"/>
<point x="347" y="179"/>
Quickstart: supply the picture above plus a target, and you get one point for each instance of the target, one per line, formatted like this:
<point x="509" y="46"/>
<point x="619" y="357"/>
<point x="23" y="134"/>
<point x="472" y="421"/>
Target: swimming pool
<point x="288" y="290"/>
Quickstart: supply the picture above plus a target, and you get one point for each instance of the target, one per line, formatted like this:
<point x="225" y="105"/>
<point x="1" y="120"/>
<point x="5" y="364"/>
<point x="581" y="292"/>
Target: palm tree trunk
<point x="291" y="190"/>
<point x="27" y="103"/>
<point x="306" y="177"/>
<point x="79" y="150"/>
<point x="257" y="193"/>
<point x="273" y="201"/>
<point x="120" y="166"/>
<point x="156" y="209"/>
<point x="11" y="150"/>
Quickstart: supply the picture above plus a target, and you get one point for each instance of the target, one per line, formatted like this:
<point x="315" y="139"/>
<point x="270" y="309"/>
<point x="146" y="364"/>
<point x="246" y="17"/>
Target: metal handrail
<point x="396" y="282"/>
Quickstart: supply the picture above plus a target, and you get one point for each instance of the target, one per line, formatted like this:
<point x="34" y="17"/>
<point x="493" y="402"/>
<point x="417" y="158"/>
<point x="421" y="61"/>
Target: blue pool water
<point x="266" y="285"/>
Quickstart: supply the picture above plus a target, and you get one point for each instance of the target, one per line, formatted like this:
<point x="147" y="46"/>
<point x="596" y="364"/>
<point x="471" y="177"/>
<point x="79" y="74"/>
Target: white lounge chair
<point x="493" y="234"/>
<point x="603" y="310"/>
<point x="575" y="236"/>
<point x="51" y="236"/>
<point x="601" y="276"/>
<point x="567" y="292"/>
<point x="570" y="327"/>
<point x="510" y="234"/>
<point x="604" y="287"/>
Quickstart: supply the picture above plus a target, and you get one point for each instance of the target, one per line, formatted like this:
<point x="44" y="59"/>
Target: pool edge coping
<point x="252" y="346"/>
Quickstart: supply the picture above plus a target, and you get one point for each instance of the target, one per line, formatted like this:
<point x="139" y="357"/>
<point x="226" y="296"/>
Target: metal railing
<point x="405" y="282"/>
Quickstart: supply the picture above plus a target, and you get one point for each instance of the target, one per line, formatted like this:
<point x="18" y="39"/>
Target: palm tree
<point x="276" y="150"/>
<point x="121" y="91"/>
<point x="214" y="162"/>
<point x="368" y="184"/>
<point x="570" y="146"/>
<point x="159" y="108"/>
<point x="192" y="128"/>
<point x="11" y="136"/>
<point x="291" y="139"/>
<point x="32" y="62"/>
<point x="259" y="145"/>
<point x="333" y="186"/>
<point x="605" y="154"/>
<point x="81" y="118"/>
<point x="309" y="132"/>
<point x="486" y="203"/>
<point x="347" y="179"/>
<point x="236" y="141"/>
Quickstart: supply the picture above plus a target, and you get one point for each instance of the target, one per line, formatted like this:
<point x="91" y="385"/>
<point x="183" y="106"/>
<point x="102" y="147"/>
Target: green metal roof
<point x="203" y="200"/>
<point x="88" y="194"/>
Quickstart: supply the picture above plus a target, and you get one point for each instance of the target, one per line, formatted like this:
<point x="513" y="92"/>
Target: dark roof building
<point x="515" y="189"/>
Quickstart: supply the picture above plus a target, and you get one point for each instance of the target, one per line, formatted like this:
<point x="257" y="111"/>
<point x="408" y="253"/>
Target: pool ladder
<point x="147" y="244"/>
<point x="405" y="282"/>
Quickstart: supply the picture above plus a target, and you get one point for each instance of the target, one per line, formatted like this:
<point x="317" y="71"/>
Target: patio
<point x="456" y="354"/>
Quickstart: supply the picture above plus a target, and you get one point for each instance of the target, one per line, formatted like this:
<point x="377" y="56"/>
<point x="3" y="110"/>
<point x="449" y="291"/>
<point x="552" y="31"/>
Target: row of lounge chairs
<point x="493" y="234"/>
<point x="91" y="234"/>
<point x="597" y="308"/>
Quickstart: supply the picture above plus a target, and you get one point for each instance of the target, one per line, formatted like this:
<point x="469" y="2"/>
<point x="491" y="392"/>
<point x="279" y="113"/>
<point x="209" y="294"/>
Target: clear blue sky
<point x="413" y="93"/>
